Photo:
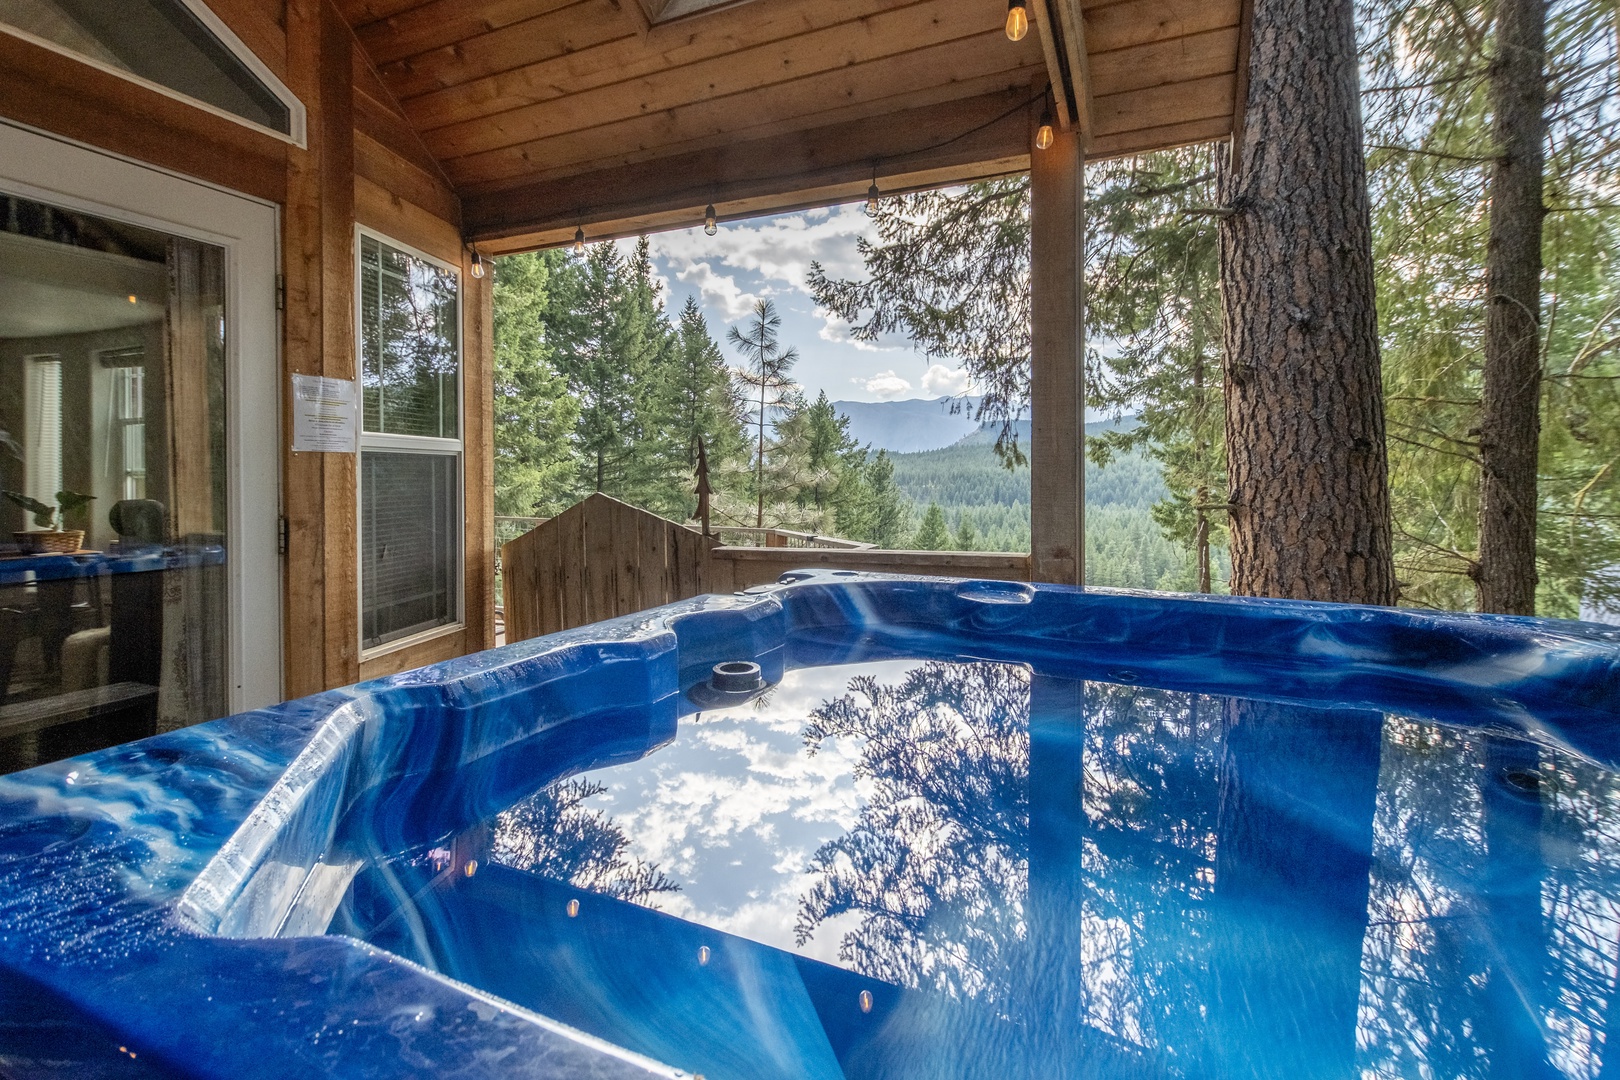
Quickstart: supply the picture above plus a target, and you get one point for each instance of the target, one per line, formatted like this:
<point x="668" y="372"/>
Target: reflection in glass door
<point x="113" y="527"/>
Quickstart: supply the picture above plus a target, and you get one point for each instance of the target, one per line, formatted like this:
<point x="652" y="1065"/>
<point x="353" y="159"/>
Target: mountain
<point x="905" y="427"/>
<point x="987" y="434"/>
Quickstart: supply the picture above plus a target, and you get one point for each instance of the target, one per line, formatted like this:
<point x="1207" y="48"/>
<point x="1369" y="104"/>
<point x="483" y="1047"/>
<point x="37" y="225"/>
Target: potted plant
<point x="53" y="539"/>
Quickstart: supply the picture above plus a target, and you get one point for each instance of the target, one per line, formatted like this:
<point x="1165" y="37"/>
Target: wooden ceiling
<point x="547" y="115"/>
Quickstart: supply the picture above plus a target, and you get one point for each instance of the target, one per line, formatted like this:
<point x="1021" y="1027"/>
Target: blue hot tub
<point x="856" y="827"/>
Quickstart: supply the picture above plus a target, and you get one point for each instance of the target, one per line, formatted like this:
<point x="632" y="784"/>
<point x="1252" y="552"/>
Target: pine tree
<point x="766" y="366"/>
<point x="533" y="412"/>
<point x="932" y="534"/>
<point x="1306" y="457"/>
<point x="967" y="537"/>
<point x="586" y="330"/>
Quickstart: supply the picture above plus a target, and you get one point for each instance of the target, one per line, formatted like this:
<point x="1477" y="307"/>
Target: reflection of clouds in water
<point x="736" y="806"/>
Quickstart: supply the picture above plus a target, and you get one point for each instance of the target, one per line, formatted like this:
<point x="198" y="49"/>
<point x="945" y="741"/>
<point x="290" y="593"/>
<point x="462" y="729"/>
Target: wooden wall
<point x="362" y="164"/>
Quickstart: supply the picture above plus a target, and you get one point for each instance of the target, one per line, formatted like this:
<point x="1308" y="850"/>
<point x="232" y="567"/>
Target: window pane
<point x="409" y="344"/>
<point x="410" y="543"/>
<point x="159" y="40"/>
<point x="112" y="382"/>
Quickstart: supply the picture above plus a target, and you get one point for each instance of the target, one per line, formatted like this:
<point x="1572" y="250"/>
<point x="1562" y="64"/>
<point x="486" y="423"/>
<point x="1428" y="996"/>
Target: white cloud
<point x="719" y="291"/>
<point x="837" y="331"/>
<point x="939" y="381"/>
<point x="779" y="248"/>
<point x="887" y="385"/>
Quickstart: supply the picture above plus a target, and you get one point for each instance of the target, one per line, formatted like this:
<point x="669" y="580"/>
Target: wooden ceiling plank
<point x="1166" y="137"/>
<point x="486" y="69"/>
<point x="837" y="48"/>
<point x="537" y="42"/>
<point x="785" y="102"/>
<point x="1016" y="84"/>
<point x="1162" y="62"/>
<point x="1158" y="106"/>
<point x="1044" y="29"/>
<point x="358" y="13"/>
<point x="838" y="153"/>
<point x="442" y="23"/>
<point x="1137" y="22"/>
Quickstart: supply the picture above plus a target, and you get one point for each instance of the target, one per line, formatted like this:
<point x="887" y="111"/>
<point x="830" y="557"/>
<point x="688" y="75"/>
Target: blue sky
<point x="769" y="258"/>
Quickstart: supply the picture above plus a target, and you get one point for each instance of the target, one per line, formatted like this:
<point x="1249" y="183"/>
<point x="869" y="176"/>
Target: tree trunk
<point x="759" y="468"/>
<point x="1201" y="493"/>
<point x="1304" y="400"/>
<point x="1510" y="424"/>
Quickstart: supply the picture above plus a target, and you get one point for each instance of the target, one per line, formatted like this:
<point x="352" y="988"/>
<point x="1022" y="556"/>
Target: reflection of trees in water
<point x="936" y="867"/>
<point x="1152" y="762"/>
<point x="555" y="835"/>
<point x="1447" y="970"/>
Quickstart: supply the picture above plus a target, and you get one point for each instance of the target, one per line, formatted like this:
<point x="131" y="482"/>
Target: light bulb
<point x="872" y="194"/>
<point x="710" y="225"/>
<point x="1017" y="20"/>
<point x="579" y="241"/>
<point x="1044" y="134"/>
<point x="477" y="265"/>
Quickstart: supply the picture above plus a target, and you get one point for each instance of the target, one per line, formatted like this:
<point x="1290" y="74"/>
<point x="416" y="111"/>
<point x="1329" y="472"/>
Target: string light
<point x="1017" y="20"/>
<point x="872" y="194"/>
<point x="710" y="224"/>
<point x="579" y="240"/>
<point x="477" y="264"/>
<point x="1044" y="134"/>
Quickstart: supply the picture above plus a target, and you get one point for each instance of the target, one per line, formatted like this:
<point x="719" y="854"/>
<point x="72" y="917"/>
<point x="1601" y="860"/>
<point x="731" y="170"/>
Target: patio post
<point x="1057" y="361"/>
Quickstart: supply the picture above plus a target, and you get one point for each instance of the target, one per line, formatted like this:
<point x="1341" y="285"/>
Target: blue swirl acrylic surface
<point x="972" y="829"/>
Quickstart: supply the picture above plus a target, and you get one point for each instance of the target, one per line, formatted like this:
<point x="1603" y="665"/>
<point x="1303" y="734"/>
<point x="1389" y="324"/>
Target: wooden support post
<point x="1057" y="361"/>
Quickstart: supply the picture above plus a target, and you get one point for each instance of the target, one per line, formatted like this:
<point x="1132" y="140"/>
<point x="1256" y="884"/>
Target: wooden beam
<point x="321" y="628"/>
<point x="1240" y="92"/>
<point x="1057" y="362"/>
<point x="959" y="140"/>
<point x="1046" y="27"/>
<point x="1076" y="66"/>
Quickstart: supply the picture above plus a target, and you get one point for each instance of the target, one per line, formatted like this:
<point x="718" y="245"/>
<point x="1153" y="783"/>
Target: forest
<point x="599" y="388"/>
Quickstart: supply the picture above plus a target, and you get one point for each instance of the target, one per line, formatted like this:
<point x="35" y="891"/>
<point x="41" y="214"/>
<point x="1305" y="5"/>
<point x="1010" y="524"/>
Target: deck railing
<point x="602" y="558"/>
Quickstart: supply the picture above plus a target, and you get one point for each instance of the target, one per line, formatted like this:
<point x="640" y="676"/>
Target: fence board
<point x="601" y="559"/>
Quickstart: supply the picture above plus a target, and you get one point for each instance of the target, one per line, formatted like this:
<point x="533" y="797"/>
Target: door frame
<point x="48" y="168"/>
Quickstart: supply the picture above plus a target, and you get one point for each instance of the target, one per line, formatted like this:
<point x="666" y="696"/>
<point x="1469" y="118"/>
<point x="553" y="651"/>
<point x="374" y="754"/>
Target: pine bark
<point x="1304" y="401"/>
<point x="1510" y="421"/>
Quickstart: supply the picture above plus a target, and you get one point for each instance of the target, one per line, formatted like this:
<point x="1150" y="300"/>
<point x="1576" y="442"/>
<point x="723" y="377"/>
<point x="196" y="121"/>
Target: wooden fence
<point x="602" y="558"/>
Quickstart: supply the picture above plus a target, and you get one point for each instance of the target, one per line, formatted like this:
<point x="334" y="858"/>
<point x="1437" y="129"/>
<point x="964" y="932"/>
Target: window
<point x="44" y="426"/>
<point x="410" y="444"/>
<point x="177" y="46"/>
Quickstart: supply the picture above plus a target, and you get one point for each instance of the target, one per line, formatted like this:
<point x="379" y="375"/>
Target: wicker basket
<point x="55" y="543"/>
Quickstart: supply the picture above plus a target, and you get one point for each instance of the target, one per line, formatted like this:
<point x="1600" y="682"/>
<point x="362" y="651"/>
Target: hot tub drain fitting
<point x="736" y="677"/>
<point x="730" y="683"/>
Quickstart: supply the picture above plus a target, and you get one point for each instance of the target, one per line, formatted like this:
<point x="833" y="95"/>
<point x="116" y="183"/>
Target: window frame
<point x="297" y="131"/>
<point x="411" y="444"/>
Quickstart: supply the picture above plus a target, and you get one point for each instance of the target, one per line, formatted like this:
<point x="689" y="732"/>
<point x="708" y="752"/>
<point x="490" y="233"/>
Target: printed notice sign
<point x="324" y="414"/>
